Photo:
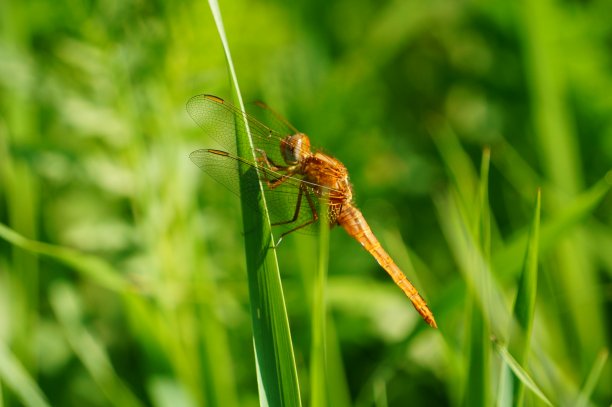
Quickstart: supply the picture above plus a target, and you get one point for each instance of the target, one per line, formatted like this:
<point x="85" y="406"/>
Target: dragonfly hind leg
<point x="315" y="216"/>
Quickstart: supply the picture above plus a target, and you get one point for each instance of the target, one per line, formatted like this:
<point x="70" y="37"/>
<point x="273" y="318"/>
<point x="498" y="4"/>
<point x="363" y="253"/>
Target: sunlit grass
<point x="122" y="268"/>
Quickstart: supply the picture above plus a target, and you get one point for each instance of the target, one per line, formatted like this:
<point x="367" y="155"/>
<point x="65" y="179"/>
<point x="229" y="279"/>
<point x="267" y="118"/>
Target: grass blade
<point x="276" y="370"/>
<point x="87" y="347"/>
<point x="457" y="162"/>
<point x="519" y="372"/>
<point x="478" y="382"/>
<point x="90" y="266"/>
<point x="17" y="378"/>
<point x="336" y="376"/>
<point x="380" y="394"/>
<point x="592" y="378"/>
<point x="553" y="230"/>
<point x="485" y="214"/>
<point x="318" y="356"/>
<point x="559" y="146"/>
<point x="524" y="306"/>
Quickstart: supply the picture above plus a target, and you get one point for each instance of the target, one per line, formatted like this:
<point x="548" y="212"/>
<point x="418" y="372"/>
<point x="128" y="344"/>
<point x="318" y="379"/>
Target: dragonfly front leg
<point x="267" y="162"/>
<point x="268" y="165"/>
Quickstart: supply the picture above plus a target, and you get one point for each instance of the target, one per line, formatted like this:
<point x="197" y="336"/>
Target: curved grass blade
<point x="275" y="361"/>
<point x="90" y="266"/>
<point x="592" y="378"/>
<point x="16" y="377"/>
<point x="519" y="372"/>
<point x="524" y="306"/>
<point x="552" y="231"/>
<point x="91" y="352"/>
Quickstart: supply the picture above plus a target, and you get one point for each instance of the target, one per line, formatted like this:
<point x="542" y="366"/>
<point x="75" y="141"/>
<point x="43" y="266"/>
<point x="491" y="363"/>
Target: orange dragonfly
<point x="292" y="173"/>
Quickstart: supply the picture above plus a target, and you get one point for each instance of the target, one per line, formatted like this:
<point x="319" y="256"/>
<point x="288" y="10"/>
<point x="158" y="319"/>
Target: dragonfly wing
<point x="221" y="120"/>
<point x="283" y="201"/>
<point x="220" y="166"/>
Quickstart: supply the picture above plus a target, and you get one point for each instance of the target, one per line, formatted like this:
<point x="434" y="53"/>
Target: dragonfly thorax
<point x="294" y="148"/>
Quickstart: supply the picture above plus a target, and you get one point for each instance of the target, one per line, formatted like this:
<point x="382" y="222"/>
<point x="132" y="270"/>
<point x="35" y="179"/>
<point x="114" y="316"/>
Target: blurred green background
<point x="142" y="299"/>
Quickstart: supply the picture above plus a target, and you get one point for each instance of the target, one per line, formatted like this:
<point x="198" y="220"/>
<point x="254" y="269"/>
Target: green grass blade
<point x="592" y="378"/>
<point x="16" y="377"/>
<point x="276" y="370"/>
<point x="457" y="162"/>
<point x="90" y="266"/>
<point x="470" y="260"/>
<point x="477" y="384"/>
<point x="336" y="376"/>
<point x="559" y="146"/>
<point x="553" y="230"/>
<point x="318" y="355"/>
<point x="88" y="348"/>
<point x="524" y="306"/>
<point x="554" y="132"/>
<point x="380" y="393"/>
<point x="478" y="380"/>
<point x="519" y="372"/>
<point x="485" y="214"/>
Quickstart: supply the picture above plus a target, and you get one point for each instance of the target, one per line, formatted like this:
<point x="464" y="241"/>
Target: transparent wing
<point x="221" y="120"/>
<point x="283" y="201"/>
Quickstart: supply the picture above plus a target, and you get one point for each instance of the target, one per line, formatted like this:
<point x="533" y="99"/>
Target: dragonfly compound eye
<point x="294" y="147"/>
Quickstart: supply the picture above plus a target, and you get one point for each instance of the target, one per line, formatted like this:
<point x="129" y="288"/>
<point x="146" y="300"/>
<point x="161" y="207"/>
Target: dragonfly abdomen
<point x="353" y="221"/>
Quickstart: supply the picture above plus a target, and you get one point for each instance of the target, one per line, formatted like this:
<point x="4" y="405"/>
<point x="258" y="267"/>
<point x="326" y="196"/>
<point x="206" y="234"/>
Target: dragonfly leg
<point x="268" y="165"/>
<point x="274" y="183"/>
<point x="296" y="213"/>
<point x="313" y="209"/>
<point x="264" y="159"/>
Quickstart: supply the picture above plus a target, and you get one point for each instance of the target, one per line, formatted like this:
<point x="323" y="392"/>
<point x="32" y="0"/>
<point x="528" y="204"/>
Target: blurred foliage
<point x="141" y="295"/>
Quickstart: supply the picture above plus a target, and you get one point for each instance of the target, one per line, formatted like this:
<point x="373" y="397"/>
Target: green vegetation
<point x="478" y="140"/>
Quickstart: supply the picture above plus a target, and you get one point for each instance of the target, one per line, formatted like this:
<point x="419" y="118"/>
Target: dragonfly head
<point x="295" y="147"/>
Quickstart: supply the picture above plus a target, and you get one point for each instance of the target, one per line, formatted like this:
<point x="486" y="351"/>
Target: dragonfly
<point x="297" y="180"/>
